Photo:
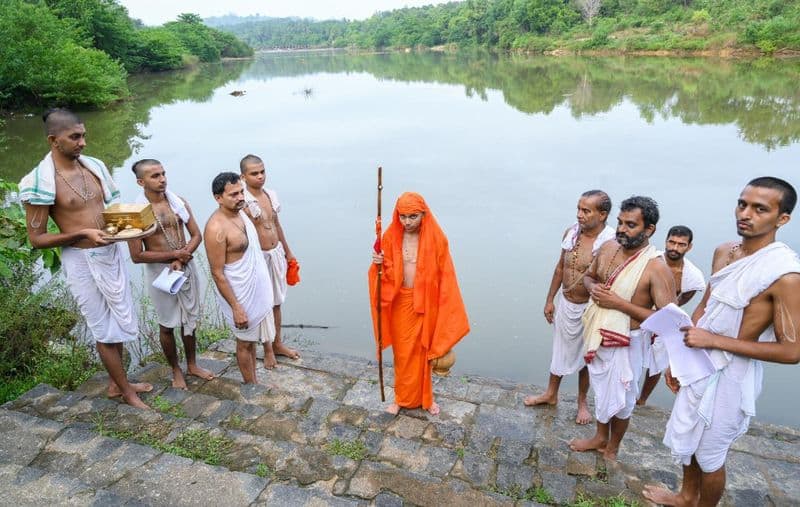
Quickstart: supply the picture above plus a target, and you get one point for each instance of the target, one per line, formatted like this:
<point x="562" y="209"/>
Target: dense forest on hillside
<point x="79" y="52"/>
<point x="767" y="26"/>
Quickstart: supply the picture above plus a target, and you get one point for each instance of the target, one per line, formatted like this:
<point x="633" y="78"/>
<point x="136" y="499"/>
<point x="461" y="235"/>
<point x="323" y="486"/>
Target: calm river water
<point x="500" y="147"/>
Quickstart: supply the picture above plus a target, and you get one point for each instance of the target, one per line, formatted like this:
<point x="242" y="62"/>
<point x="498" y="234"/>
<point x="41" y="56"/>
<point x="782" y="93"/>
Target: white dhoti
<point x="708" y="415"/>
<point x="181" y="309"/>
<point x="277" y="265"/>
<point x="656" y="356"/>
<point x="567" y="337"/>
<point x="98" y="281"/>
<point x="614" y="375"/>
<point x="249" y="280"/>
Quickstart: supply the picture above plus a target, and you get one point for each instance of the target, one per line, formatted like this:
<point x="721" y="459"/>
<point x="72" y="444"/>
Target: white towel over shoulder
<point x="572" y="236"/>
<point x="38" y="187"/>
<point x="176" y="204"/>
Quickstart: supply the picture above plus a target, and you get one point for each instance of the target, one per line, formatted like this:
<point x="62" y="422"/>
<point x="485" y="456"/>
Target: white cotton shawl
<point x="572" y="236"/>
<point x="38" y="187"/>
<point x="252" y="201"/>
<point x="176" y="204"/>
<point x="596" y="318"/>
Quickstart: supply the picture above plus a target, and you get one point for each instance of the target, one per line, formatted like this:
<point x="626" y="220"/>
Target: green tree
<point x="42" y="61"/>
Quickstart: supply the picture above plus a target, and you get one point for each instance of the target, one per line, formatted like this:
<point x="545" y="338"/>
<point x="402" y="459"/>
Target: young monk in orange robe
<point x="422" y="313"/>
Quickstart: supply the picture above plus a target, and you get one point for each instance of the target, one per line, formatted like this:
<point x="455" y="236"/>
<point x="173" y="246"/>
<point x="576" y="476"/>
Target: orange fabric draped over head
<point x="436" y="296"/>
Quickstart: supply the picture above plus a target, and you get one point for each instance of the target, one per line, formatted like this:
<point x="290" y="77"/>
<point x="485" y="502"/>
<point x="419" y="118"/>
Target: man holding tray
<point x="73" y="189"/>
<point x="167" y="251"/>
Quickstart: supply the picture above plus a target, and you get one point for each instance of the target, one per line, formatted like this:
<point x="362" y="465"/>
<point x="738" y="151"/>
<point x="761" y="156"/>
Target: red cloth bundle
<point x="293" y="272"/>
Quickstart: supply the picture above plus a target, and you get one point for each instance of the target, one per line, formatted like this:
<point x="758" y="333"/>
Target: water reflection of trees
<point x="760" y="97"/>
<point x="115" y="133"/>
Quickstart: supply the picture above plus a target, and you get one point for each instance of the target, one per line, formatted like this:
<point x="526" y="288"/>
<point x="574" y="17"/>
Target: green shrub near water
<point x="43" y="62"/>
<point x="35" y="318"/>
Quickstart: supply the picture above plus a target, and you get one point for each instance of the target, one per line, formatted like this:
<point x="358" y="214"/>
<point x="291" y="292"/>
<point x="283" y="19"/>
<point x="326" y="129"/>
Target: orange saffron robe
<point x="423" y="322"/>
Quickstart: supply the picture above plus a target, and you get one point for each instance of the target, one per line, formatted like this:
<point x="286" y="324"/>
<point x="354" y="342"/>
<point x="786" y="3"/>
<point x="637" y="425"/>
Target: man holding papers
<point x="164" y="252"/>
<point x="750" y="313"/>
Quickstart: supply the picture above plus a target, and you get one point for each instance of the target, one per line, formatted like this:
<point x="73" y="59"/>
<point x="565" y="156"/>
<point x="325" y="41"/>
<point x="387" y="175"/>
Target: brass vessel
<point x="441" y="365"/>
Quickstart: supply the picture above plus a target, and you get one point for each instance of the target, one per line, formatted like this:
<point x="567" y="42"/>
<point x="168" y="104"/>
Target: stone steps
<point x="314" y="433"/>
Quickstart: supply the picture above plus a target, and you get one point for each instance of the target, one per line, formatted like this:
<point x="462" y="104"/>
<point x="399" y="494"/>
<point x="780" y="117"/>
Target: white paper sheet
<point x="169" y="281"/>
<point x="686" y="364"/>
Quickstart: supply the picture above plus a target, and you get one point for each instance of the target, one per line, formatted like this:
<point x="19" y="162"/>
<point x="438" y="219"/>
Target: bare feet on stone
<point x="197" y="371"/>
<point x="663" y="496"/>
<point x="584" y="416"/>
<point x="543" y="399"/>
<point x="134" y="401"/>
<point x="393" y="409"/>
<point x="609" y="453"/>
<point x="178" y="382"/>
<point x="279" y="349"/>
<point x="269" y="359"/>
<point x="588" y="444"/>
<point x="434" y="409"/>
<point x="114" y="390"/>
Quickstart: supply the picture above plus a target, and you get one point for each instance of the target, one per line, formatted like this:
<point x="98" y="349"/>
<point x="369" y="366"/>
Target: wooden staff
<point x="379" y="235"/>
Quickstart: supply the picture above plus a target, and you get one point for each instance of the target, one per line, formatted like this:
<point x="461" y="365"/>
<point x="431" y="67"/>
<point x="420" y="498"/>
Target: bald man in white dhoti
<point x="579" y="246"/>
<point x="750" y="314"/>
<point x="627" y="279"/>
<point x="240" y="273"/>
<point x="73" y="190"/>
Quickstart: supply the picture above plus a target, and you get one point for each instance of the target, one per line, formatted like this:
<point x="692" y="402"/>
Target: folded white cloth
<point x="692" y="278"/>
<point x="572" y="237"/>
<point x="252" y="201"/>
<point x="38" y="187"/>
<point x="176" y="204"/>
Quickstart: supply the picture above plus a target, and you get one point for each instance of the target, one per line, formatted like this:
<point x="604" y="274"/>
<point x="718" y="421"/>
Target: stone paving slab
<point x="93" y="459"/>
<point x="27" y="486"/>
<point x="175" y="481"/>
<point x="22" y="436"/>
<point x="484" y="448"/>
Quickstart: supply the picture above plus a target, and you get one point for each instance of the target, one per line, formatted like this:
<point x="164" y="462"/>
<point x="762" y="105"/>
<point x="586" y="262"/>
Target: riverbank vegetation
<point x="720" y="26"/>
<point x="80" y="52"/>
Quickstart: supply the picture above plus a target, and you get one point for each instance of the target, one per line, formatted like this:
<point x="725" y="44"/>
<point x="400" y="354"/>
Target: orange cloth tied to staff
<point x="423" y="322"/>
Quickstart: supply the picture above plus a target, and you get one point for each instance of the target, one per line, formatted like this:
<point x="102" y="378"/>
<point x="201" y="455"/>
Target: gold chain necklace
<point x="86" y="194"/>
<point x="176" y="244"/>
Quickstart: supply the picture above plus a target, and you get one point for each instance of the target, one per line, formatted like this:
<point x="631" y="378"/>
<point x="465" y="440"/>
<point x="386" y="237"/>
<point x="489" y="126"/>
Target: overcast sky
<point x="156" y="12"/>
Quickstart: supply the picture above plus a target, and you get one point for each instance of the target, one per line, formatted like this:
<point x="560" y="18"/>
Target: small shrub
<point x="165" y="407"/>
<point x="263" y="471"/>
<point x="353" y="449"/>
<point x="700" y="17"/>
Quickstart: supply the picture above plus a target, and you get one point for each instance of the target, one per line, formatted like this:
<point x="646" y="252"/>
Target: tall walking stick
<point x="377" y="246"/>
